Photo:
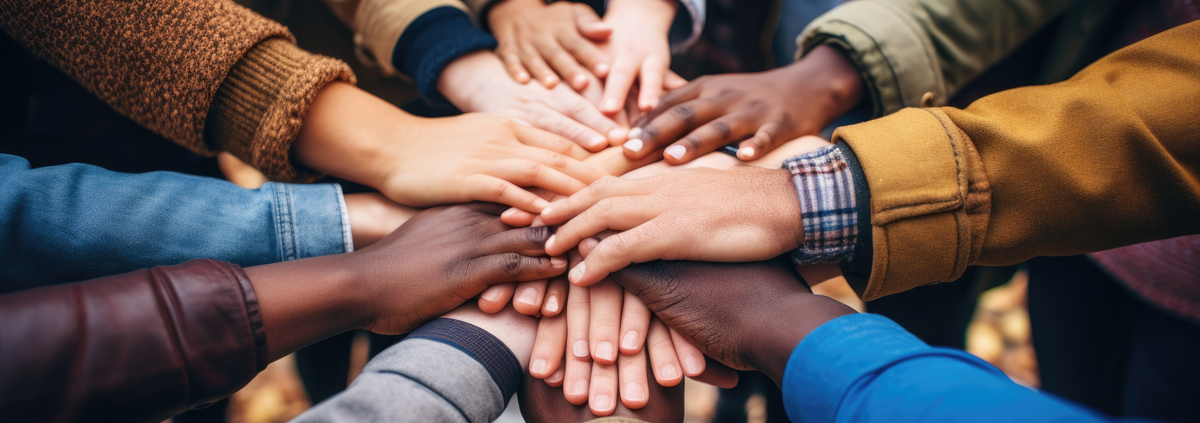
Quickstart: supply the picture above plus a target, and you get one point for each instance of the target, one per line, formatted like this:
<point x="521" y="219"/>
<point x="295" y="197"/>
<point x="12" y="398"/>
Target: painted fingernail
<point x="492" y="295"/>
<point x="577" y="273"/>
<point x="612" y="105"/>
<point x="634" y="392"/>
<point x="635" y="133"/>
<point x="580" y="349"/>
<point x="558" y="261"/>
<point x="669" y="371"/>
<point x="634" y="145"/>
<point x="747" y="152"/>
<point x="604" y="351"/>
<point x="692" y="364"/>
<point x="555" y="378"/>
<point x="602" y="402"/>
<point x="552" y="304"/>
<point x="538" y="366"/>
<point x="630" y="342"/>
<point x="528" y="296"/>
<point x="676" y="151"/>
<point x="540" y="204"/>
<point x="550" y="240"/>
<point x="579" y="388"/>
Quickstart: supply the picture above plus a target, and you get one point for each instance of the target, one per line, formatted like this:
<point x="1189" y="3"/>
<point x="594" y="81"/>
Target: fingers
<point x="635" y="321"/>
<point x="496" y="297"/>
<point x="606" y="187"/>
<point x="512" y="63"/>
<point x="534" y="137"/>
<point x="564" y="63"/>
<point x="556" y="296"/>
<point x="532" y="59"/>
<point x="690" y="356"/>
<point x="663" y="358"/>
<point x="548" y="347"/>
<point x="763" y="142"/>
<point x="670" y="125"/>
<point x="710" y="137"/>
<point x="617" y="84"/>
<point x="517" y="218"/>
<point x="673" y="81"/>
<point x="480" y="187"/>
<point x="603" y="390"/>
<point x="631" y="371"/>
<point x="651" y="86"/>
<point x="523" y="241"/>
<point x="556" y="379"/>
<point x="605" y="326"/>
<point x="512" y="267"/>
<point x="590" y="25"/>
<point x="586" y="52"/>
<point x="616" y="213"/>
<point x="528" y="297"/>
<point x="638" y="245"/>
<point x="717" y="374"/>
<point x="527" y="173"/>
<point x="579" y="361"/>
<point x="584" y="112"/>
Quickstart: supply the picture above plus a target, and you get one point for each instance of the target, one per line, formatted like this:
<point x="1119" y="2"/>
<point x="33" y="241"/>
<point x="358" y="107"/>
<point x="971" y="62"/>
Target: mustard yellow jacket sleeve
<point x="1110" y="157"/>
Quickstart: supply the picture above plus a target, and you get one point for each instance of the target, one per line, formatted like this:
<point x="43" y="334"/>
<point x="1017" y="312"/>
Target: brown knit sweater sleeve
<point x="176" y="66"/>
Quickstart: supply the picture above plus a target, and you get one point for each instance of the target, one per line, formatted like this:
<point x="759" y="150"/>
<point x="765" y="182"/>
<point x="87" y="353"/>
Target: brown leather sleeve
<point x="136" y="347"/>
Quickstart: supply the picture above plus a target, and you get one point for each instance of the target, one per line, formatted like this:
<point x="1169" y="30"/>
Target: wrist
<point x="503" y="11"/>
<point x="803" y="313"/>
<point x="464" y="80"/>
<point x="841" y="81"/>
<point x="654" y="15"/>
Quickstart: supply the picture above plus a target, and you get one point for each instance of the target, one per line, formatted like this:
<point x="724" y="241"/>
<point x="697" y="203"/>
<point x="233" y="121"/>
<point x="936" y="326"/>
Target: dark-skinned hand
<point x="761" y="110"/>
<point x="748" y="316"/>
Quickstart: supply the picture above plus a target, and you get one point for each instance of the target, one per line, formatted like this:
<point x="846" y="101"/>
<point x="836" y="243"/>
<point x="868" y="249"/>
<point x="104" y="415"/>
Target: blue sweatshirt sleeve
<point x="76" y="222"/>
<point x="866" y="368"/>
<point x="431" y="42"/>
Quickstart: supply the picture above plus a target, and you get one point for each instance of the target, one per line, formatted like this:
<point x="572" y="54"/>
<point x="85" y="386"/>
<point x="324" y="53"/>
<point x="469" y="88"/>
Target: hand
<point x="531" y="32"/>
<point x="740" y="214"/>
<point x="515" y="330"/>
<point x="747" y="316"/>
<point x="429" y="266"/>
<point x="640" y="51"/>
<point x="541" y="403"/>
<point x="424" y="162"/>
<point x="769" y="108"/>
<point x="477" y="83"/>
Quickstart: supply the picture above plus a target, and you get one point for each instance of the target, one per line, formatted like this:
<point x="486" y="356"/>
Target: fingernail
<point x="601" y="68"/>
<point x="547" y="209"/>
<point x="549" y="80"/>
<point x="550" y="240"/>
<point x="522" y="75"/>
<point x="634" y="392"/>
<point x="591" y="243"/>
<point x="580" y="388"/>
<point x="634" y="145"/>
<point x="611" y="105"/>
<point x="508" y="213"/>
<point x="538" y="366"/>
<point x="552" y="304"/>
<point x="555" y="378"/>
<point x="577" y="273"/>
<point x="649" y="104"/>
<point x="598" y="140"/>
<point x="528" y="296"/>
<point x="491" y="295"/>
<point x="692" y="364"/>
<point x="676" y="151"/>
<point x="602" y="402"/>
<point x="540" y="204"/>
<point x="558" y="261"/>
<point x="580" y="349"/>
<point x="580" y="80"/>
<point x="747" y="152"/>
<point x="669" y="371"/>
<point x="630" y="342"/>
<point x="604" y="351"/>
<point x="635" y="133"/>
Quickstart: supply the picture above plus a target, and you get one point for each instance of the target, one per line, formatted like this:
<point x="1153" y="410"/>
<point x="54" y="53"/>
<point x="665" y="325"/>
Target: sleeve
<point x="76" y="222"/>
<point x="208" y="75"/>
<point x="915" y="53"/>
<point x="1105" y="159"/>
<point x="688" y="25"/>
<point x="866" y="368"/>
<point x="445" y="371"/>
<point x="142" y="346"/>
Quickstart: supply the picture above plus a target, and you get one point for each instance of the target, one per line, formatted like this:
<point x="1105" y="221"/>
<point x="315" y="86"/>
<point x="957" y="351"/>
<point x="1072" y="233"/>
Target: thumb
<point x="590" y="25"/>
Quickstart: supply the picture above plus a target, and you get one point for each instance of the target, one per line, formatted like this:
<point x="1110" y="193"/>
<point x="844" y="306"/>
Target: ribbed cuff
<point x="431" y="42"/>
<point x="857" y="268"/>
<point x="828" y="206"/>
<point x="310" y="220"/>
<point x="489" y="351"/>
<point x="844" y="352"/>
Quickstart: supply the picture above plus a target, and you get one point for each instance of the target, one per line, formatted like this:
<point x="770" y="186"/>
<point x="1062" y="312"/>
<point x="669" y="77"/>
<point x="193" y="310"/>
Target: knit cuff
<point x="259" y="107"/>
<point x="431" y="42"/>
<point x="828" y="207"/>
<point x="489" y="351"/>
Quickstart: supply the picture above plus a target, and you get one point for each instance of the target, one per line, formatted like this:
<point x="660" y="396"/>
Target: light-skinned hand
<point x="640" y="51"/>
<point x="542" y="39"/>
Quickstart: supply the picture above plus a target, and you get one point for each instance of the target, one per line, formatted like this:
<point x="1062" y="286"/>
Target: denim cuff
<point x="839" y="355"/>
<point x="310" y="220"/>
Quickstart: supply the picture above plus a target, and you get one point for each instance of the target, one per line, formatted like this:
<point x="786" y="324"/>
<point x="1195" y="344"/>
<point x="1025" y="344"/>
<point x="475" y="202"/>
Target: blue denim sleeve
<point x="75" y="222"/>
<point x="866" y="368"/>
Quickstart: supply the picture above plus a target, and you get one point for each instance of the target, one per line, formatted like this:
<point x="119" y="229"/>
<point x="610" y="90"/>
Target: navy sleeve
<point x="434" y="40"/>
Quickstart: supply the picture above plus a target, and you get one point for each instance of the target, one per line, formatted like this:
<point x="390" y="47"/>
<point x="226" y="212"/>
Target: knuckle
<point x="498" y="189"/>
<point x="537" y="236"/>
<point x="532" y="171"/>
<point x="693" y="142"/>
<point x="722" y="128"/>
<point x="684" y="113"/>
<point x="512" y="264"/>
<point x="557" y="161"/>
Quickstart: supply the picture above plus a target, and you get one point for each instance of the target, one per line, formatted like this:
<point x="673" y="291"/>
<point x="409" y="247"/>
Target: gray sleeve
<point x="416" y="380"/>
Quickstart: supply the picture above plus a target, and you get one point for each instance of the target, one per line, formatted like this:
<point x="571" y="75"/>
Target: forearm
<point x="305" y="301"/>
<point x="75" y="222"/>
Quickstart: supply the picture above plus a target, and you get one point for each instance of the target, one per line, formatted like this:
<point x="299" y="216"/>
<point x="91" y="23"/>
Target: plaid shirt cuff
<point x="828" y="209"/>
